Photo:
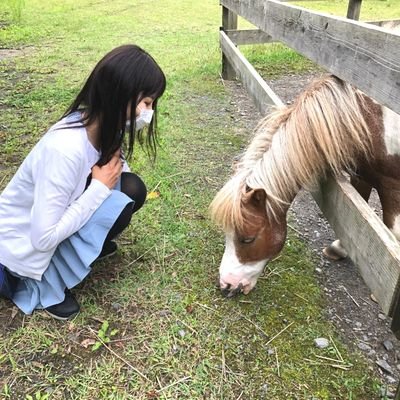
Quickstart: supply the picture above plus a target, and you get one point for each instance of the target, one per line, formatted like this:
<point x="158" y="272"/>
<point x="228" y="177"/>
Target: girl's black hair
<point x="124" y="76"/>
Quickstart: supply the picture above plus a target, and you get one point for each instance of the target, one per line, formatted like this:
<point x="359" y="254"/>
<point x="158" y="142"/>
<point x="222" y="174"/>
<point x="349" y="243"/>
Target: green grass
<point x="371" y="10"/>
<point x="12" y="9"/>
<point x="177" y="337"/>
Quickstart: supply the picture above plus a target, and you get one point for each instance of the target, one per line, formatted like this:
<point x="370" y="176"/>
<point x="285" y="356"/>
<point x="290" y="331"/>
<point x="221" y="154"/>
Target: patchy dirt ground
<point x="360" y="320"/>
<point x="8" y="53"/>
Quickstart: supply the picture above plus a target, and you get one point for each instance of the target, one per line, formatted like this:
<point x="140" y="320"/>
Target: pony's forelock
<point x="226" y="210"/>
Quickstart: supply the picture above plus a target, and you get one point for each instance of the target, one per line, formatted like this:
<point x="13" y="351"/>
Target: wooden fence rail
<point x="364" y="55"/>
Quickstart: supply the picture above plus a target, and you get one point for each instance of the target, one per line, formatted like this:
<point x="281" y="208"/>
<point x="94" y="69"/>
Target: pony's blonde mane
<point x="323" y="131"/>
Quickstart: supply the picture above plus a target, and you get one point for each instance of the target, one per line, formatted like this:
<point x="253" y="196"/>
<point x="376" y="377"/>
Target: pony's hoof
<point x="334" y="251"/>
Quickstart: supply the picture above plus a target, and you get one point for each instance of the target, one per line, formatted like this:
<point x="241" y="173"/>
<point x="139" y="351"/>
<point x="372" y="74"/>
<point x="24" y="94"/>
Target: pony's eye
<point x="246" y="240"/>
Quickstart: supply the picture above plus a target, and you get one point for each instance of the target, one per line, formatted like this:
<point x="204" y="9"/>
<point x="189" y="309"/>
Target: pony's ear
<point x="247" y="189"/>
<point x="256" y="196"/>
<point x="259" y="196"/>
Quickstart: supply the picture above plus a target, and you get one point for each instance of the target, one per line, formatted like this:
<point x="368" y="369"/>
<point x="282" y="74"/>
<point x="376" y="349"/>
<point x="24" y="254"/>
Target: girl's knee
<point x="133" y="186"/>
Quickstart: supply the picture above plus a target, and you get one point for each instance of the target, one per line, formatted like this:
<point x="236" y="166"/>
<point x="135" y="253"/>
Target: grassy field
<point x="153" y="324"/>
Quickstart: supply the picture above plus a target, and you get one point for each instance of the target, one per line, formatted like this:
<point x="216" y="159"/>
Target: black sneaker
<point x="109" y="249"/>
<point x="68" y="309"/>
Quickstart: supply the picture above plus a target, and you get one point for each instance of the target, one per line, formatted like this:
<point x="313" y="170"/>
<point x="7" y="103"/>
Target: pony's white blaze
<point x="234" y="273"/>
<point x="391" y="122"/>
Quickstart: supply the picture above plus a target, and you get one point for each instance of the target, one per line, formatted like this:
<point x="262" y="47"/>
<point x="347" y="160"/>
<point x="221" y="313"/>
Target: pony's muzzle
<point x="228" y="292"/>
<point x="234" y="292"/>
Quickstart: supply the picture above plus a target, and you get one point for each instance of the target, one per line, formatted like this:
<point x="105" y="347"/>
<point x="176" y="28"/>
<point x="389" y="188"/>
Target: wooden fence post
<point x="229" y="21"/>
<point x="353" y="10"/>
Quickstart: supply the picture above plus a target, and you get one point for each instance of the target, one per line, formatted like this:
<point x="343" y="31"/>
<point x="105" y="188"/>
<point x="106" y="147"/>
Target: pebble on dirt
<point x="321" y="343"/>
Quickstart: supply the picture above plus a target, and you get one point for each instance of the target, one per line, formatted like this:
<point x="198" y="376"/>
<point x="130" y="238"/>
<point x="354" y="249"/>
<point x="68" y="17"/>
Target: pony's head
<point x="322" y="131"/>
<point x="252" y="235"/>
<point x="252" y="217"/>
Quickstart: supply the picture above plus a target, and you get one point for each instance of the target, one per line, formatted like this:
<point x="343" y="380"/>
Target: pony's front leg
<point x="335" y="251"/>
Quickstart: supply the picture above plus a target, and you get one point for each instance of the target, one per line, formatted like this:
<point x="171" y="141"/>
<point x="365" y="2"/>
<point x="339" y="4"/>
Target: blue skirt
<point x="72" y="260"/>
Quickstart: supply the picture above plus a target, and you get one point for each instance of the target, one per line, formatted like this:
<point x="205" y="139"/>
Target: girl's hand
<point x="110" y="172"/>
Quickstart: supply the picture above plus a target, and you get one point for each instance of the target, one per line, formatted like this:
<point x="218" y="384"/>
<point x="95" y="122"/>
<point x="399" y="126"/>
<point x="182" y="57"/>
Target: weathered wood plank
<point x="354" y="8"/>
<point x="364" y="55"/>
<point x="248" y="36"/>
<point x="258" y="89"/>
<point x="229" y="21"/>
<point x="257" y="36"/>
<point x="389" y="24"/>
<point x="370" y="244"/>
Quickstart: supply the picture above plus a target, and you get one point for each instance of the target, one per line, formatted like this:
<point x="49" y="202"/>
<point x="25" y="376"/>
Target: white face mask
<point x="144" y="118"/>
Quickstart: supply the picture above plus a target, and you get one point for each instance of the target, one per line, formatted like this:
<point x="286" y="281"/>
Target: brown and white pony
<point x="329" y="128"/>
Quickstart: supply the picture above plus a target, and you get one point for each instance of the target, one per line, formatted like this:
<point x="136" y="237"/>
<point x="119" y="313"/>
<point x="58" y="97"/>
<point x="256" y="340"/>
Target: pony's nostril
<point x="225" y="292"/>
<point x="226" y="289"/>
<point x="235" y="291"/>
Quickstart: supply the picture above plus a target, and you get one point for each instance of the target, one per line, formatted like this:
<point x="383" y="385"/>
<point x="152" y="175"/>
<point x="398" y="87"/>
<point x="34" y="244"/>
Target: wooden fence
<point x="363" y="54"/>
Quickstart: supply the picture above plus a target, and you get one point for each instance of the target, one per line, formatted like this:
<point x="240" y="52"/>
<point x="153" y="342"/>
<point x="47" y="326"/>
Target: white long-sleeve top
<point x="46" y="201"/>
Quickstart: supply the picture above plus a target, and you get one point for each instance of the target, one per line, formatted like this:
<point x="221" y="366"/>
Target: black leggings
<point x="134" y="188"/>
